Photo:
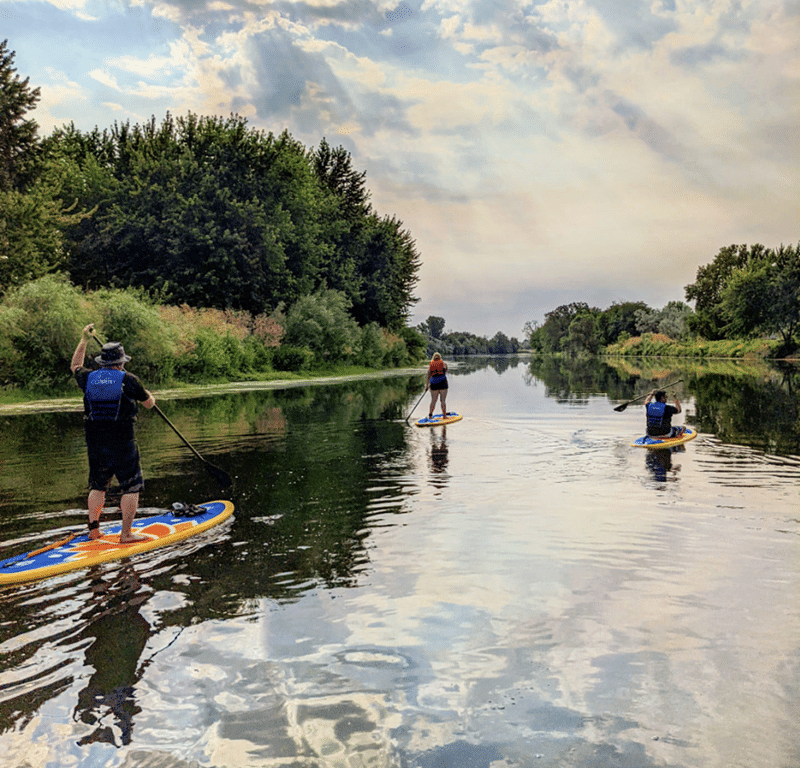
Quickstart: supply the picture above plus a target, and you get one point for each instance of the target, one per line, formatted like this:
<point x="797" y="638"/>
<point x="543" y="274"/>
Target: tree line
<point x="204" y="211"/>
<point x="462" y="342"/>
<point x="745" y="292"/>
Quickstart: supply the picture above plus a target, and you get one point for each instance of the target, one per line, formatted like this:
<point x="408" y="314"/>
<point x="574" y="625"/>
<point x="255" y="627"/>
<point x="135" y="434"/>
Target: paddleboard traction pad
<point x="81" y="551"/>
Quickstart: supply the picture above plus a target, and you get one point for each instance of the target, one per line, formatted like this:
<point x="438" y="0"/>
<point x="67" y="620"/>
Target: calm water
<point x="518" y="589"/>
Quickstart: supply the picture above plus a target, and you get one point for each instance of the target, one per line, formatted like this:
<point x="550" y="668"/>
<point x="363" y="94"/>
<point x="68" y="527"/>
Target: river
<point x="518" y="589"/>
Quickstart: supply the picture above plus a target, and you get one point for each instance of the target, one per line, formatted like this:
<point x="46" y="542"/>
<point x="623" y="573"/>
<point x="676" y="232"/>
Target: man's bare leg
<point x="96" y="501"/>
<point x="128" y="505"/>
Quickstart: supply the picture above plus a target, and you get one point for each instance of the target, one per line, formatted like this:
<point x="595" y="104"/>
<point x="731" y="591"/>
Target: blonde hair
<point x="436" y="356"/>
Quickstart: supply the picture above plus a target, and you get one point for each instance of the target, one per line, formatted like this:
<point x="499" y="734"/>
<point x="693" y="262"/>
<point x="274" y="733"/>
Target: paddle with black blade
<point x="220" y="475"/>
<point x="622" y="407"/>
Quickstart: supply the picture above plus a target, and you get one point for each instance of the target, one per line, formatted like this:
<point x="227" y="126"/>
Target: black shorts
<point x="109" y="457"/>
<point x="435" y="387"/>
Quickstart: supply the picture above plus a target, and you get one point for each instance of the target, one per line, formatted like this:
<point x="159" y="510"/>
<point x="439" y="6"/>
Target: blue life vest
<point x="104" y="394"/>
<point x="655" y="414"/>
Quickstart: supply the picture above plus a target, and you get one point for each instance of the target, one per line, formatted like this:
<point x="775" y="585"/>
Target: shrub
<point x="288" y="358"/>
<point x="132" y="318"/>
<point x="321" y="323"/>
<point x="40" y="326"/>
<point x="209" y="357"/>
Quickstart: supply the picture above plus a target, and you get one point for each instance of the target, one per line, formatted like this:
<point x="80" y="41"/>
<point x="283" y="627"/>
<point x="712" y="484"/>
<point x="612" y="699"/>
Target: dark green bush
<point x="286" y="358"/>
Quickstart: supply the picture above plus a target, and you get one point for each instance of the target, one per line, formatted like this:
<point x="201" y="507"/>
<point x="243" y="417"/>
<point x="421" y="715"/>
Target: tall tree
<point x="435" y="326"/>
<point x="18" y="138"/>
<point x="619" y="318"/>
<point x="706" y="290"/>
<point x="764" y="296"/>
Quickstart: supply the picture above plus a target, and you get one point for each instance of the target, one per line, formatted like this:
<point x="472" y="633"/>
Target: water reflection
<point x="117" y="634"/>
<point x="748" y="403"/>
<point x="661" y="465"/>
<point x="439" y="456"/>
<point x="519" y="588"/>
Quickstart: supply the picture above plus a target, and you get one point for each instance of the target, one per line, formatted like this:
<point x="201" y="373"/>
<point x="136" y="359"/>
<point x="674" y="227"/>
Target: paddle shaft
<point x="642" y="397"/>
<point x="415" y="406"/>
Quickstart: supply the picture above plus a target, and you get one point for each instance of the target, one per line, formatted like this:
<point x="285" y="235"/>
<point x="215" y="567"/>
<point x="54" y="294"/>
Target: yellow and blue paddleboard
<point x="670" y="442"/>
<point x="79" y="551"/>
<point x="438" y="420"/>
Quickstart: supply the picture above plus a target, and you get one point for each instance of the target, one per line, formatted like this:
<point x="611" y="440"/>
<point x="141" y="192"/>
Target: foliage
<point x="619" y="319"/>
<point x="553" y="335"/>
<point x="415" y="343"/>
<point x="434" y="326"/>
<point x="577" y="329"/>
<point x="671" y="321"/>
<point x="321" y="322"/>
<point x="18" y="140"/>
<point x="582" y="335"/>
<point x="659" y="345"/>
<point x="133" y="318"/>
<point x="212" y="213"/>
<point x="462" y="342"/>
<point x="31" y="242"/>
<point x="380" y="348"/>
<point x="764" y="296"/>
<point x="32" y="215"/>
<point x="288" y="358"/>
<point x="40" y="324"/>
<point x="706" y="292"/>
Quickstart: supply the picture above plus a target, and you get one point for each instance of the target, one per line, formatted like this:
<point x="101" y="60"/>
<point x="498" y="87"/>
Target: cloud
<point x="532" y="149"/>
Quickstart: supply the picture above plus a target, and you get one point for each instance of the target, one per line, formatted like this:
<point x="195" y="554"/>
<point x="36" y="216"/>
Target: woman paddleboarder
<point x="436" y="382"/>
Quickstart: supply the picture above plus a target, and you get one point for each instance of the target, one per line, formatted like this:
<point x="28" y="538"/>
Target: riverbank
<point x="14" y="402"/>
<point x="659" y="345"/>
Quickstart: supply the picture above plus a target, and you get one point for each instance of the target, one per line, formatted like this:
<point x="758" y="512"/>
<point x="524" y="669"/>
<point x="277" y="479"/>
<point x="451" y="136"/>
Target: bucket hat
<point x="113" y="353"/>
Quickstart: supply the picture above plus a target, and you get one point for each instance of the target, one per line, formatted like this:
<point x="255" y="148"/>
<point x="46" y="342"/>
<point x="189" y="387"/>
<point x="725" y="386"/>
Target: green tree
<point x="706" y="292"/>
<point x="32" y="225"/>
<point x="500" y="344"/>
<point x="553" y="335"/>
<point x="18" y="139"/>
<point x="322" y="323"/>
<point x="345" y="212"/>
<point x="212" y="213"/>
<point x="435" y="325"/>
<point x="619" y="318"/>
<point x="207" y="210"/>
<point x="388" y="267"/>
<point x="672" y="320"/>
<point x="582" y="336"/>
<point x="40" y="323"/>
<point x="764" y="296"/>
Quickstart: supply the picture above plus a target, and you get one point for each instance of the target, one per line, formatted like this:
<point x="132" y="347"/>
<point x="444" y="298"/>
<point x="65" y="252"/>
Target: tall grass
<point x="41" y="323"/>
<point x="659" y="345"/>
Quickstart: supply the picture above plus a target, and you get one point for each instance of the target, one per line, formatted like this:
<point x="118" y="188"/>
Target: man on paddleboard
<point x="659" y="415"/>
<point x="110" y="395"/>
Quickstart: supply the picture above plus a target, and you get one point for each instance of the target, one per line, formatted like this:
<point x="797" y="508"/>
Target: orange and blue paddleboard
<point x="79" y="551"/>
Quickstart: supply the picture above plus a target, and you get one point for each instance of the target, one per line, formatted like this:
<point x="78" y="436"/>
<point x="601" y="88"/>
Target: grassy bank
<point x="659" y="345"/>
<point x="25" y="401"/>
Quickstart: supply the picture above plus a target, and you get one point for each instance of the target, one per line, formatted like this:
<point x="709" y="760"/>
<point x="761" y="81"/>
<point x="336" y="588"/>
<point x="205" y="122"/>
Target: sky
<point x="540" y="153"/>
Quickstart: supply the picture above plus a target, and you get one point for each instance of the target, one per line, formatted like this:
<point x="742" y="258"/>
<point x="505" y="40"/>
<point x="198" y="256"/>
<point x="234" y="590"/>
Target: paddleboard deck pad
<point x="82" y="552"/>
<point x="671" y="442"/>
<point x="438" y="419"/>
